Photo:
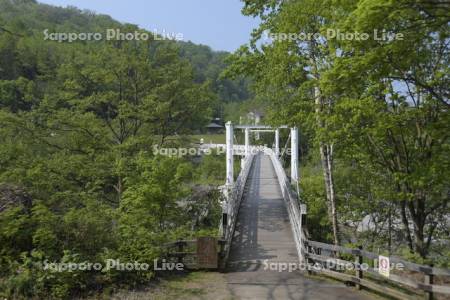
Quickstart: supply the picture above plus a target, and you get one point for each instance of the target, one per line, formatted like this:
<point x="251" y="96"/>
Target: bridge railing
<point x="200" y="253"/>
<point x="233" y="202"/>
<point x="221" y="148"/>
<point x="409" y="282"/>
<point x="292" y="204"/>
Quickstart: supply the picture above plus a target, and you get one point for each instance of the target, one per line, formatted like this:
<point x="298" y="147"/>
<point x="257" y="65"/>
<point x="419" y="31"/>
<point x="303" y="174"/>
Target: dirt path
<point x="195" y="285"/>
<point x="216" y="286"/>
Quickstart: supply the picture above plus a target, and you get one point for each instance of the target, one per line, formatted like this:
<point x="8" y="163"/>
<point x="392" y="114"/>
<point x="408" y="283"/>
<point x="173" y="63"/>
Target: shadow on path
<point x="263" y="236"/>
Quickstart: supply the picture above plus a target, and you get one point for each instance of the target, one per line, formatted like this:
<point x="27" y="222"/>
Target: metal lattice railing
<point x="292" y="204"/>
<point x="234" y="199"/>
<point x="232" y="204"/>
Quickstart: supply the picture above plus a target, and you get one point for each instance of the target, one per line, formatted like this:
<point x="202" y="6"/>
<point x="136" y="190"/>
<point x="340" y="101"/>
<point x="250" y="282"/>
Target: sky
<point x="216" y="23"/>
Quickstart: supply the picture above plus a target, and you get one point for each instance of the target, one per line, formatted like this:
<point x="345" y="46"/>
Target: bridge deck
<point x="262" y="233"/>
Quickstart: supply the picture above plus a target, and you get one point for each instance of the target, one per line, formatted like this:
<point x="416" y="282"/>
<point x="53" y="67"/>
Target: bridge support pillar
<point x="229" y="154"/>
<point x="277" y="143"/>
<point x="294" y="155"/>
<point x="247" y="142"/>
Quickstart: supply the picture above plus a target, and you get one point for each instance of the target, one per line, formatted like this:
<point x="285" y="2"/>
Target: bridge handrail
<point x="375" y="281"/>
<point x="237" y="149"/>
<point x="292" y="204"/>
<point x="233" y="204"/>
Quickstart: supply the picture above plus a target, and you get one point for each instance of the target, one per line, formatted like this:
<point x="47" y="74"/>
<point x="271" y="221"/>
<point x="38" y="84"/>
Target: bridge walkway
<point x="263" y="237"/>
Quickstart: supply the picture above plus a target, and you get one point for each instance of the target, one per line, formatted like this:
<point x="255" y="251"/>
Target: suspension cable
<point x="285" y="146"/>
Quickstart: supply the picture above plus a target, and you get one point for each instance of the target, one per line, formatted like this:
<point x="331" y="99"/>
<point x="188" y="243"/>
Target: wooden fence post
<point x="224" y="225"/>
<point x="180" y="245"/>
<point x="359" y="271"/>
<point x="307" y="251"/>
<point x="429" y="280"/>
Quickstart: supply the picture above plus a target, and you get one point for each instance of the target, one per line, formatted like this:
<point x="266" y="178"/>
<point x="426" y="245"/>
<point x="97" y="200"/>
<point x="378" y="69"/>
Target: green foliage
<point x="78" y="181"/>
<point x="212" y="168"/>
<point x="208" y="66"/>
<point x="313" y="194"/>
<point x="375" y="111"/>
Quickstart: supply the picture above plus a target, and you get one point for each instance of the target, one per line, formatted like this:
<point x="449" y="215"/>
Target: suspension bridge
<point x="265" y="251"/>
<point x="262" y="224"/>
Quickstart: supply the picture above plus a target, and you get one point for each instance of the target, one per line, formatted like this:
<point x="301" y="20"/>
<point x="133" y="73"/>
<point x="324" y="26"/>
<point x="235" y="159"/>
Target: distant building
<point x="214" y="128"/>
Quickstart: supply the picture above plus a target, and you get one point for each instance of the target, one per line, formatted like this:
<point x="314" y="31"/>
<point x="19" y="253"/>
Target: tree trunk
<point x="119" y="189"/>
<point x="390" y="229"/>
<point x="406" y="225"/>
<point x="419" y="241"/>
<point x="418" y="218"/>
<point x="326" y="157"/>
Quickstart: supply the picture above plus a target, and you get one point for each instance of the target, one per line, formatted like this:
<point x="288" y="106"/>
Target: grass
<point x="192" y="285"/>
<point x="209" y="138"/>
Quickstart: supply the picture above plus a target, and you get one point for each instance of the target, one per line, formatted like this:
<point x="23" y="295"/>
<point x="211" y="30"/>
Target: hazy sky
<point x="216" y="23"/>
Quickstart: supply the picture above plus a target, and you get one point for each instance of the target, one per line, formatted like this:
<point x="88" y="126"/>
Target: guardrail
<point x="181" y="251"/>
<point x="201" y="253"/>
<point x="369" y="277"/>
<point x="233" y="203"/>
<point x="292" y="204"/>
